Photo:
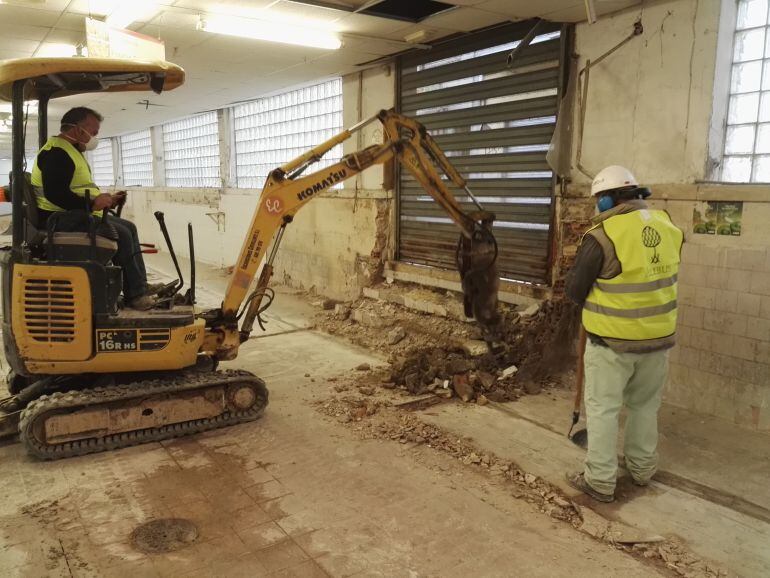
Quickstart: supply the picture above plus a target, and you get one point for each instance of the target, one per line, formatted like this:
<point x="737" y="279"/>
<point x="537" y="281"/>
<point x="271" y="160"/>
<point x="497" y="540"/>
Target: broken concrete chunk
<point x="531" y="310"/>
<point x="482" y="400"/>
<point x="363" y="367"/>
<point x="341" y="311"/>
<point x="530" y="479"/>
<point x="509" y="371"/>
<point x="445" y="393"/>
<point x="367" y="319"/>
<point x="475" y="348"/>
<point x="396" y="335"/>
<point x="462" y="387"/>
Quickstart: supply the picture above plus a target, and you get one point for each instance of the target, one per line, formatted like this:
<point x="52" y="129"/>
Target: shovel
<point x="580" y="437"/>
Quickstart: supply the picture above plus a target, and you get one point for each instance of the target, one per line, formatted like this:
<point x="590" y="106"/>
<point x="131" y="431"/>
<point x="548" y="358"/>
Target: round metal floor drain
<point x="165" y="535"/>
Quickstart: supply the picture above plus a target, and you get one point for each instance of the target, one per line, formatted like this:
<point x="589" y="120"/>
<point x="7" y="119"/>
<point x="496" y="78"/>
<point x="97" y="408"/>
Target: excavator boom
<point x="286" y="191"/>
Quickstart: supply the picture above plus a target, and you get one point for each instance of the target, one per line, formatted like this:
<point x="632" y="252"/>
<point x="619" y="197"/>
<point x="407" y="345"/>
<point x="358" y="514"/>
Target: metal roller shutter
<point x="495" y="124"/>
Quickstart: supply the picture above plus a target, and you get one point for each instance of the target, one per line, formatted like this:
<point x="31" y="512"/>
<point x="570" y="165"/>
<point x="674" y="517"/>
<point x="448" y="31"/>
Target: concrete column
<point x="117" y="162"/>
<point x="158" y="160"/>
<point x="227" y="173"/>
<point x="722" y="74"/>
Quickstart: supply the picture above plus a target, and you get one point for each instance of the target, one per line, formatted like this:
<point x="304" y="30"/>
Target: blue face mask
<point x="605" y="203"/>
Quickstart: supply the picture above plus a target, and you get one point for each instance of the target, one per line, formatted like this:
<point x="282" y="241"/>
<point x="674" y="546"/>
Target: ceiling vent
<point x="406" y="10"/>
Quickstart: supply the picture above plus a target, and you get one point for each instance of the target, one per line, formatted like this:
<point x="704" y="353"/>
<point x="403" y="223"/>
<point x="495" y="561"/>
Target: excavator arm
<point x="286" y="191"/>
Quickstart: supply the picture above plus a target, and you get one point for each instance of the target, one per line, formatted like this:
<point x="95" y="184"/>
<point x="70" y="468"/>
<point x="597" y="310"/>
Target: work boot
<point x="142" y="303"/>
<point x="577" y="481"/>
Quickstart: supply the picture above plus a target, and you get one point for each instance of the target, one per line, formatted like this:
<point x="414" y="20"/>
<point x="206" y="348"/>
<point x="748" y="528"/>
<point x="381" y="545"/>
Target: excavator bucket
<point x="477" y="264"/>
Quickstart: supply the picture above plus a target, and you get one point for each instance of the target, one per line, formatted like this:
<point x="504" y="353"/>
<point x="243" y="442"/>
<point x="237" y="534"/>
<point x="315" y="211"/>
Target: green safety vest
<point x="81" y="182"/>
<point x="640" y="303"/>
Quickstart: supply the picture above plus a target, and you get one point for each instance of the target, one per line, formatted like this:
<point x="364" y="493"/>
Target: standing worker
<point x="625" y="279"/>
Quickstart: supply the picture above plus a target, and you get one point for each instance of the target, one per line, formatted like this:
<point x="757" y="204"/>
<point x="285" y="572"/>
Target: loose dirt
<point x="428" y="353"/>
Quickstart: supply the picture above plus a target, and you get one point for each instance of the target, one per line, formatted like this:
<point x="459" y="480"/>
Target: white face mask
<point x="91" y="143"/>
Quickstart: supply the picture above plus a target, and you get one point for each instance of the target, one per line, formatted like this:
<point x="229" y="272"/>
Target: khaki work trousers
<point x="613" y="380"/>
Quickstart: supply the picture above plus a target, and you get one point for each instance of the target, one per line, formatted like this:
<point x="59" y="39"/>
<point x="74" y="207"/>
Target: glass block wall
<point x="136" y="158"/>
<point x="191" y="151"/>
<point x="273" y="130"/>
<point x="100" y="160"/>
<point x="747" y="136"/>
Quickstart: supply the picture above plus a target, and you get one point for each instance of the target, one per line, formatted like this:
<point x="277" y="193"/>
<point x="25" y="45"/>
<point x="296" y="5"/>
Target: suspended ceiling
<point x="223" y="69"/>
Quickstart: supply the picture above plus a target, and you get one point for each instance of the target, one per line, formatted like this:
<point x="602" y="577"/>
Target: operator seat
<point x="34" y="235"/>
<point x="64" y="246"/>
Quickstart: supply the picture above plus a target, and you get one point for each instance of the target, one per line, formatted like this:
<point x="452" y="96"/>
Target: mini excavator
<point x="87" y="375"/>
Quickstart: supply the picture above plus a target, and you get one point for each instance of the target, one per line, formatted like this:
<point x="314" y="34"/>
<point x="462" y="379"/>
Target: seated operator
<point x="61" y="177"/>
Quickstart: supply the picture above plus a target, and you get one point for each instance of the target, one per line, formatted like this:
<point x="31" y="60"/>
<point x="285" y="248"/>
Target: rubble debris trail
<point x="377" y="420"/>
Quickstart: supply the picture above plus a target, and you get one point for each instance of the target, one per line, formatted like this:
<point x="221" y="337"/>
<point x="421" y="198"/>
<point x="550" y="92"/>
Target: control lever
<point x="175" y="286"/>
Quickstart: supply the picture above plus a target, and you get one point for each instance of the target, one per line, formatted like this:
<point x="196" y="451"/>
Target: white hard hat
<point x="612" y="177"/>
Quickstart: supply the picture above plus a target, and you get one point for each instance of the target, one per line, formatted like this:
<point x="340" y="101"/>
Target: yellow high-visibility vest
<point x="640" y="303"/>
<point x="81" y="182"/>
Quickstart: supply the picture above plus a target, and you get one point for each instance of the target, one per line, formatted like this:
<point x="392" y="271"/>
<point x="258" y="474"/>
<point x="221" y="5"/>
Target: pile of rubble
<point x="436" y="352"/>
<point x="536" y="345"/>
<point x="447" y="372"/>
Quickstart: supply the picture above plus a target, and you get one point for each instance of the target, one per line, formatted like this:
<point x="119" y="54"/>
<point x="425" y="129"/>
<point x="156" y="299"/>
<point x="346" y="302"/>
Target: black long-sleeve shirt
<point x="585" y="271"/>
<point x="57" y="169"/>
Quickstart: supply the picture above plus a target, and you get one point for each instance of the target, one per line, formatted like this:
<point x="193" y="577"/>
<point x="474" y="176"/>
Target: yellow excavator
<point x="88" y="375"/>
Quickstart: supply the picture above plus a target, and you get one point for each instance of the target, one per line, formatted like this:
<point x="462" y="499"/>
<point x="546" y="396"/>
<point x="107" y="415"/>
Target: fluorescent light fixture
<point x="124" y="13"/>
<point x="270" y="31"/>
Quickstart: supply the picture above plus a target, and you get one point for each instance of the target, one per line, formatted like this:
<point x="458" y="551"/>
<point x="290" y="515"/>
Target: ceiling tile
<point x="27" y="16"/>
<point x="12" y="29"/>
<point x="17" y="44"/>
<point x="11" y="54"/>
<point x="465" y="19"/>
<point x="363" y="24"/>
<point x="431" y="33"/>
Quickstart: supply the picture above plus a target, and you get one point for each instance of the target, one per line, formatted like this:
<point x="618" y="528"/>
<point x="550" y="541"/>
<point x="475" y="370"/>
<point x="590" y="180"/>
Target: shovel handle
<point x="580" y="370"/>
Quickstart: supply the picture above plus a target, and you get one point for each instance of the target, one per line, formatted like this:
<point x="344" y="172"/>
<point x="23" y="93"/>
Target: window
<point x="747" y="136"/>
<point x="273" y="130"/>
<point x="100" y="160"/>
<point x="191" y="151"/>
<point x="136" y="157"/>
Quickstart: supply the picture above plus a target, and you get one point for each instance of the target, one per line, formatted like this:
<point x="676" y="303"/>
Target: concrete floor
<point x="710" y="491"/>
<point x="295" y="494"/>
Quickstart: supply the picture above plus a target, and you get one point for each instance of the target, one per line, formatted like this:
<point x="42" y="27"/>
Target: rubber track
<point x="185" y="381"/>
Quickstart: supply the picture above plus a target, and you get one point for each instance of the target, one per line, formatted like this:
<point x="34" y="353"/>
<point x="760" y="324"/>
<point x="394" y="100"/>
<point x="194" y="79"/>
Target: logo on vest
<point x="651" y="239"/>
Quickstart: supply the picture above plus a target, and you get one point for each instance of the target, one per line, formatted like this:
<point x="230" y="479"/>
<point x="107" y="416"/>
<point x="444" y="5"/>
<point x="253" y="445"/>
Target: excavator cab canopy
<point x="42" y="79"/>
<point x="47" y="78"/>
